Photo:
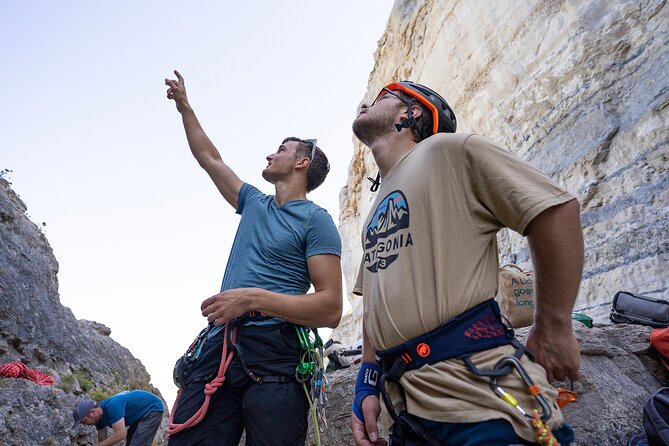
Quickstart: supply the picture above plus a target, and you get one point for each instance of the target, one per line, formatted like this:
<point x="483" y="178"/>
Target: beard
<point x="368" y="129"/>
<point x="268" y="176"/>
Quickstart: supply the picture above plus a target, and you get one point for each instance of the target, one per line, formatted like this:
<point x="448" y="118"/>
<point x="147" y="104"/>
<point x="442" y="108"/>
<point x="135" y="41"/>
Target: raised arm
<point x="556" y="244"/>
<point x="322" y="308"/>
<point x="203" y="149"/>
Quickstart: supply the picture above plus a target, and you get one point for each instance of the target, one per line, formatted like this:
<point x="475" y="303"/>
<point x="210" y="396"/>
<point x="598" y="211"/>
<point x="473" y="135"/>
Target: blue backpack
<point x="655" y="420"/>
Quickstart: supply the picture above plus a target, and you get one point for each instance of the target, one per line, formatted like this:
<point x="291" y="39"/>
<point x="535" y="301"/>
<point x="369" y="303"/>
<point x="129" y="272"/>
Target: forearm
<point x="368" y="350"/>
<point x="319" y="309"/>
<point x="556" y="245"/>
<point x="201" y="146"/>
<point x="117" y="437"/>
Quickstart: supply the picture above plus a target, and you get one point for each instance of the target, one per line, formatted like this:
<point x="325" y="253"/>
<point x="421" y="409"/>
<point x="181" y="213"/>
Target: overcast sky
<point x="99" y="154"/>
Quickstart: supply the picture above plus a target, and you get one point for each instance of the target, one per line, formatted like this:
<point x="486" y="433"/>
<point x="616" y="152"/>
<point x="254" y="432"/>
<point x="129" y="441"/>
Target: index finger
<point x="207" y="302"/>
<point x="179" y="76"/>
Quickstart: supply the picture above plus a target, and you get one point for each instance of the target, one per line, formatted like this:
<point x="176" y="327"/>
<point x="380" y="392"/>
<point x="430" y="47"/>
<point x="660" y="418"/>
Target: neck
<point x="389" y="149"/>
<point x="288" y="191"/>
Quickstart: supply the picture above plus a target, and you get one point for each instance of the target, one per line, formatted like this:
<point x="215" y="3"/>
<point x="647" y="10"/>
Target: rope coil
<point x="209" y="389"/>
<point x="18" y="369"/>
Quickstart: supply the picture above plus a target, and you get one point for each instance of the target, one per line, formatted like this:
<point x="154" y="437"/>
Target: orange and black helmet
<point x="443" y="118"/>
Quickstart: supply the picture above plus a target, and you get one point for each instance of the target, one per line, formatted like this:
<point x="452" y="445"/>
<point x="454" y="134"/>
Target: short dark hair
<point x="423" y="127"/>
<point x="319" y="166"/>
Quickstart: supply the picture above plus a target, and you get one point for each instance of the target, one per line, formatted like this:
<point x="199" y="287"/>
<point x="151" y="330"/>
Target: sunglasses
<point x="385" y="90"/>
<point x="313" y="147"/>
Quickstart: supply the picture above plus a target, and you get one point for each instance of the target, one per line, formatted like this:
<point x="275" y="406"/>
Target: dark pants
<point x="486" y="433"/>
<point x="143" y="432"/>
<point x="271" y="413"/>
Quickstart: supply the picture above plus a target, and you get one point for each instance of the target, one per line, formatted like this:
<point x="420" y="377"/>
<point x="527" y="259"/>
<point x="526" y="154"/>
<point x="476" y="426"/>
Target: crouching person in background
<point x="134" y="415"/>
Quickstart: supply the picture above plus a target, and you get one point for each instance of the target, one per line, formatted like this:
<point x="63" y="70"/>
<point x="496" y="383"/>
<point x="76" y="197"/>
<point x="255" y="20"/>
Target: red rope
<point x="209" y="389"/>
<point x="20" y="370"/>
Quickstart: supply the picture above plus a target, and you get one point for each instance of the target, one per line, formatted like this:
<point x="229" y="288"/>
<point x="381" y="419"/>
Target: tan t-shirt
<point x="430" y="253"/>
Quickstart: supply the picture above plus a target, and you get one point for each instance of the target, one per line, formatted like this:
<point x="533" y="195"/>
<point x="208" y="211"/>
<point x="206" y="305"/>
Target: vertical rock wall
<point x="579" y="89"/>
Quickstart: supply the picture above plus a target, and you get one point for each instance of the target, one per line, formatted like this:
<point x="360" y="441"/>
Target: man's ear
<point x="302" y="163"/>
<point x="416" y="110"/>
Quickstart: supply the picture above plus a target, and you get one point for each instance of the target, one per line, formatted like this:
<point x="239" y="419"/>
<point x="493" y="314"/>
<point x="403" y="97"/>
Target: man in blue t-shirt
<point x="284" y="244"/>
<point x="134" y="415"/>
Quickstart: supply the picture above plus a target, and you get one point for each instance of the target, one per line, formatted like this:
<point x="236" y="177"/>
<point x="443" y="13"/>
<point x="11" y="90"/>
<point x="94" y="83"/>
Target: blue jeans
<point x="485" y="433"/>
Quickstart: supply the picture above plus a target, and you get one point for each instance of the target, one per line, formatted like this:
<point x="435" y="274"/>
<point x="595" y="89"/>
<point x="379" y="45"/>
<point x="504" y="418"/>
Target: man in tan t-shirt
<point x="430" y="254"/>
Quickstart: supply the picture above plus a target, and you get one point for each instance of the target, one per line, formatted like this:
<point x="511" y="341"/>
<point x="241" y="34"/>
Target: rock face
<point x="619" y="371"/>
<point x="37" y="330"/>
<point x="578" y="89"/>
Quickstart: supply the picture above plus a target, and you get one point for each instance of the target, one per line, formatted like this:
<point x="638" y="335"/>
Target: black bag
<point x="629" y="308"/>
<point x="656" y="418"/>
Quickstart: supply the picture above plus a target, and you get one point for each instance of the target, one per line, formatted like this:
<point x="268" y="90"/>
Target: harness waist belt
<point x="477" y="329"/>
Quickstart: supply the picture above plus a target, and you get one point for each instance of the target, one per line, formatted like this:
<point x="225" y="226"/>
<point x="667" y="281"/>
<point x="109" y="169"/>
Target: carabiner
<point x="533" y="388"/>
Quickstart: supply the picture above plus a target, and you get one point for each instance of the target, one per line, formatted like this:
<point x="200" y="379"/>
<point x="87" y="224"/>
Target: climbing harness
<point x="211" y="387"/>
<point x="312" y="366"/>
<point x="18" y="369"/>
<point x="477" y="329"/>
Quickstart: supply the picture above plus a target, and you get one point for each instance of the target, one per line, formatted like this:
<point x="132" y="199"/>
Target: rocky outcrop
<point x="619" y="371"/>
<point x="43" y="334"/>
<point x="578" y="89"/>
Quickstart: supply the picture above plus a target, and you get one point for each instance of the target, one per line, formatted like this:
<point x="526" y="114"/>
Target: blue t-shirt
<point x="131" y="405"/>
<point x="273" y="243"/>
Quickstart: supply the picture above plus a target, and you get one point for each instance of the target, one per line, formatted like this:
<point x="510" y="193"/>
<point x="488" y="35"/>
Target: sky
<point x="99" y="155"/>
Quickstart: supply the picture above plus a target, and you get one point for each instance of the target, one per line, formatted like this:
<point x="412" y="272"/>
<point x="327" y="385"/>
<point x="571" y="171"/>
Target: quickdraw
<point x="312" y="366"/>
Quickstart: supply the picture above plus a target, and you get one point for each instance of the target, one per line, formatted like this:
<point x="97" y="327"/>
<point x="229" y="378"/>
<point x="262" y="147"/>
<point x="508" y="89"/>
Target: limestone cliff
<point x="579" y="89"/>
<point x="43" y="334"/>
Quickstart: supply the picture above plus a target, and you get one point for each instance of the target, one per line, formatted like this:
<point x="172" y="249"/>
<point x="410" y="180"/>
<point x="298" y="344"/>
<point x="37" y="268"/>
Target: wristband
<point x="367" y="383"/>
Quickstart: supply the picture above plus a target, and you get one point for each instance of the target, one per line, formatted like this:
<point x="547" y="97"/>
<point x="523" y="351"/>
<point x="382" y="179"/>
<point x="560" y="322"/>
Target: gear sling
<point x="477" y="329"/>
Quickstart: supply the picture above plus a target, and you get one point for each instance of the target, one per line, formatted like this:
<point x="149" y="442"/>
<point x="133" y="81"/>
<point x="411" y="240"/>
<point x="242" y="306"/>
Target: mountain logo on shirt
<point x="387" y="232"/>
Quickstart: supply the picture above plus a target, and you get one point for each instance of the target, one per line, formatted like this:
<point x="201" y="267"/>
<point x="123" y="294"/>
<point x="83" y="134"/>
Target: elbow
<point x="333" y="320"/>
<point x="334" y="315"/>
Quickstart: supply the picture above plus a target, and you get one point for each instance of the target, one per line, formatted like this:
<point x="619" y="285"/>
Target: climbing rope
<point x="20" y="370"/>
<point x="542" y="433"/>
<point x="209" y="389"/>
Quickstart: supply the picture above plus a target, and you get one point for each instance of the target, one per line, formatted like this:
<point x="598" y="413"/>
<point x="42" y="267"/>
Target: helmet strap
<point x="410" y="121"/>
<point x="375" y="182"/>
